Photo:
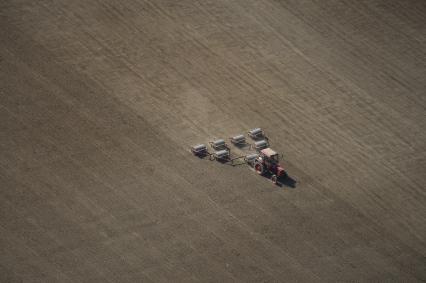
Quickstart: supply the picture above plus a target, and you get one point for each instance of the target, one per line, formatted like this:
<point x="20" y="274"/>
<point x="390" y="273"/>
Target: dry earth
<point x="100" y="100"/>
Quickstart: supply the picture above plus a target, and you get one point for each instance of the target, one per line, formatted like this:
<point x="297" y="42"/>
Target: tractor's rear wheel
<point x="258" y="167"/>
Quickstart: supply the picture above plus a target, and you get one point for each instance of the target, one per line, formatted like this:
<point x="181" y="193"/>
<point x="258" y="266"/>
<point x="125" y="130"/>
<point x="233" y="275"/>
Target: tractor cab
<point x="269" y="156"/>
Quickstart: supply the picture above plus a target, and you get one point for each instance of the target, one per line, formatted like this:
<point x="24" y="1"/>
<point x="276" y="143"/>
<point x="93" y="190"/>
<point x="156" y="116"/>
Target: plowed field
<point x="101" y="100"/>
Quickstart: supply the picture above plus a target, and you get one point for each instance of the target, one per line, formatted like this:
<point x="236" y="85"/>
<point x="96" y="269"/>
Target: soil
<point x="100" y="102"/>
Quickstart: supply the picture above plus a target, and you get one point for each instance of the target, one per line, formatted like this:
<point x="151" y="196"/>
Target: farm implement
<point x="260" y="156"/>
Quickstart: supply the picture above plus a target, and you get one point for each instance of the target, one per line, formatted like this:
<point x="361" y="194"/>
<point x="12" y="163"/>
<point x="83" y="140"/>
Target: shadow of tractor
<point x="287" y="182"/>
<point x="284" y="181"/>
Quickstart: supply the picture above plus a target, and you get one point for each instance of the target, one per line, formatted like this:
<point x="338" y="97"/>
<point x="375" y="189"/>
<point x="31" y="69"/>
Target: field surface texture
<point x="101" y="100"/>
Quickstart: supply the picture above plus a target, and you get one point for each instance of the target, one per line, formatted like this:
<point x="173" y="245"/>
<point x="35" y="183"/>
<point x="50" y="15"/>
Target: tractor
<point x="267" y="163"/>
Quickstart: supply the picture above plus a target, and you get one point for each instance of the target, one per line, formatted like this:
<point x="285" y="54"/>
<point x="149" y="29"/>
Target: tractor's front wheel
<point x="258" y="167"/>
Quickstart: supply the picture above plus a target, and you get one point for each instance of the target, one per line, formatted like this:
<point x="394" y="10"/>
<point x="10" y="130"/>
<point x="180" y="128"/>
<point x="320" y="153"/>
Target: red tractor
<point x="267" y="163"/>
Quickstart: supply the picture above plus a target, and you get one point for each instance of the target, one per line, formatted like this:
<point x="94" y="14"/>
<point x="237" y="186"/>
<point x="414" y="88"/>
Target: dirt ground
<point x="100" y="101"/>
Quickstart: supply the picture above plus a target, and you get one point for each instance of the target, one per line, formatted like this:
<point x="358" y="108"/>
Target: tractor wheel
<point x="274" y="179"/>
<point x="259" y="168"/>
